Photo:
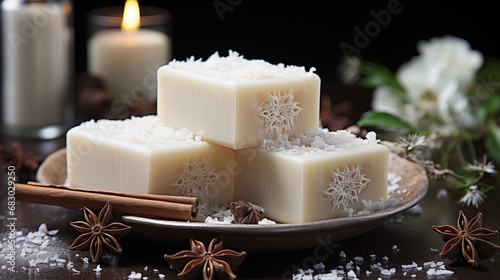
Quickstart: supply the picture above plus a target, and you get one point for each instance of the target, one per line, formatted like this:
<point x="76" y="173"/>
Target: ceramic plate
<point x="265" y="238"/>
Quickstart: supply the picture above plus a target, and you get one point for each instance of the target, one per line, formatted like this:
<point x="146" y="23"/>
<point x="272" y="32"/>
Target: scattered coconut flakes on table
<point x="376" y="269"/>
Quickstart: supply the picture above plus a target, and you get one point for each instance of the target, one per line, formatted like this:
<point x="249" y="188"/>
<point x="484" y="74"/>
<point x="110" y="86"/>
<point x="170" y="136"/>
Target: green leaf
<point x="492" y="141"/>
<point x="380" y="119"/>
<point x="375" y="75"/>
<point x="493" y="104"/>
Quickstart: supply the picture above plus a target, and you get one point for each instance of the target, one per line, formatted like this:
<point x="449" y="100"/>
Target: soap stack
<point x="233" y="129"/>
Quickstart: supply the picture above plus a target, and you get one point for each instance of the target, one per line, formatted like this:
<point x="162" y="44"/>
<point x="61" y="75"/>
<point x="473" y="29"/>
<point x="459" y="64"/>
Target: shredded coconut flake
<point x="140" y="130"/>
<point x="235" y="67"/>
<point x="315" y="141"/>
<point x="135" y="275"/>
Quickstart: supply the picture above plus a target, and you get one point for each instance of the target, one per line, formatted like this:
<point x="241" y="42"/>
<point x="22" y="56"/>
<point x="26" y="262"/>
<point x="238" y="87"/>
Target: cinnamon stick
<point x="162" y="206"/>
<point x="161" y="197"/>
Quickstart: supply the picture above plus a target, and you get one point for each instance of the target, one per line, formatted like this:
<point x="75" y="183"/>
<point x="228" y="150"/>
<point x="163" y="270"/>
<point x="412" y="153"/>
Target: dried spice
<point x="25" y="163"/>
<point x="98" y="233"/>
<point x="140" y="109"/>
<point x="335" y="117"/>
<point x="214" y="263"/>
<point x="470" y="241"/>
<point x="92" y="98"/>
<point x="245" y="213"/>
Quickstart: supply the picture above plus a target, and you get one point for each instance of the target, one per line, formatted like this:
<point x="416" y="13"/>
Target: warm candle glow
<point x="131" y="16"/>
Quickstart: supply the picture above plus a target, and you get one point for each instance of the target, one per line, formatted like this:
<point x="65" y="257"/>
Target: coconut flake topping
<point x="143" y="130"/>
<point x="317" y="140"/>
<point x="235" y="67"/>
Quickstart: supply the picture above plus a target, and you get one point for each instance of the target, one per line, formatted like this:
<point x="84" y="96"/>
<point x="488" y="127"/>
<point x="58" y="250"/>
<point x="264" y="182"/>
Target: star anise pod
<point x="98" y="233"/>
<point x="244" y="213"/>
<point x="470" y="241"/>
<point x="25" y="163"/>
<point x="214" y="263"/>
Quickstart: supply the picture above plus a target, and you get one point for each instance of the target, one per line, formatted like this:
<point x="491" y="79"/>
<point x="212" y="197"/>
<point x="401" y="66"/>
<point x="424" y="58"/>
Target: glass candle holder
<point x="127" y="60"/>
<point x="37" y="67"/>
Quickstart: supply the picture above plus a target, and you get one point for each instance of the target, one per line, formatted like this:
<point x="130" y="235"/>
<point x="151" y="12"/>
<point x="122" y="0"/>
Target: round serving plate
<point x="265" y="238"/>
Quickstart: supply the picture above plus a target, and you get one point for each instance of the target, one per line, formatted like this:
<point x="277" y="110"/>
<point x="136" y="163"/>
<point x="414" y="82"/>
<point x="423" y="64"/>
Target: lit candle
<point x="127" y="59"/>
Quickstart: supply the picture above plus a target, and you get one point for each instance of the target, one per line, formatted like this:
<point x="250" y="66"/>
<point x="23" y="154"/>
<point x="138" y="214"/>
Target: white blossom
<point x="350" y="69"/>
<point x="454" y="55"/>
<point x="386" y="101"/>
<point x="411" y="142"/>
<point x="473" y="197"/>
<point x="433" y="99"/>
<point x="482" y="166"/>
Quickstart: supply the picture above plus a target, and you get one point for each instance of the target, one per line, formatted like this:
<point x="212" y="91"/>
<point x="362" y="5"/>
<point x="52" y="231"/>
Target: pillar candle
<point x="127" y="60"/>
<point x="36" y="63"/>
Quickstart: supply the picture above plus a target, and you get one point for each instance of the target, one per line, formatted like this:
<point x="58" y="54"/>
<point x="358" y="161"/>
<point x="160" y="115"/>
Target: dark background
<point x="310" y="33"/>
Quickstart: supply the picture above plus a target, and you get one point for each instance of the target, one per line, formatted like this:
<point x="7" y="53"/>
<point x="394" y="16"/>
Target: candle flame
<point x="131" y="16"/>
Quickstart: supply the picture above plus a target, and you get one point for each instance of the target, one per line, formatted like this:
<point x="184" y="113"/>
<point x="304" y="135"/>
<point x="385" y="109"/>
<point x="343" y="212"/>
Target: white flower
<point x="350" y="69"/>
<point x="454" y="55"/>
<point x="386" y="101"/>
<point x="428" y="90"/>
<point x="484" y="166"/>
<point x="473" y="197"/>
<point x="435" y="86"/>
<point x="432" y="96"/>
<point x="411" y="142"/>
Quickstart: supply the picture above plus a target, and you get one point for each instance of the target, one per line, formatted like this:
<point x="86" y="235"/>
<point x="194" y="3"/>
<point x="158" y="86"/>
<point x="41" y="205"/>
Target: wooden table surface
<point x="399" y="241"/>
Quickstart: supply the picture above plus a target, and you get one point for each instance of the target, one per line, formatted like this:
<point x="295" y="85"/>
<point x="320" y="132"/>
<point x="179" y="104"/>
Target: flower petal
<point x="469" y="252"/>
<point x="451" y="249"/>
<point x="105" y="216"/>
<point x="81" y="226"/>
<point x="96" y="249"/>
<point x="446" y="232"/>
<point x="89" y="216"/>
<point x="110" y="242"/>
<point x="82" y="242"/>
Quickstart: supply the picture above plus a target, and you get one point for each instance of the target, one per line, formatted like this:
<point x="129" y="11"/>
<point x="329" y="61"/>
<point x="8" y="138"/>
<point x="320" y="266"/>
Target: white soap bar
<point x="141" y="155"/>
<point x="316" y="176"/>
<point x="238" y="102"/>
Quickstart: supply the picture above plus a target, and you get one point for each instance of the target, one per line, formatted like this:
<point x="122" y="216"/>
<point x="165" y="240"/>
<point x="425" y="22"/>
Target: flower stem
<point x="445" y="156"/>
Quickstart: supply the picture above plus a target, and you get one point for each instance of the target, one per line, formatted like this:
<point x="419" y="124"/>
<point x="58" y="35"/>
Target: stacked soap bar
<point x="260" y="143"/>
<point x="141" y="155"/>
<point x="238" y="102"/>
<point x="315" y="176"/>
